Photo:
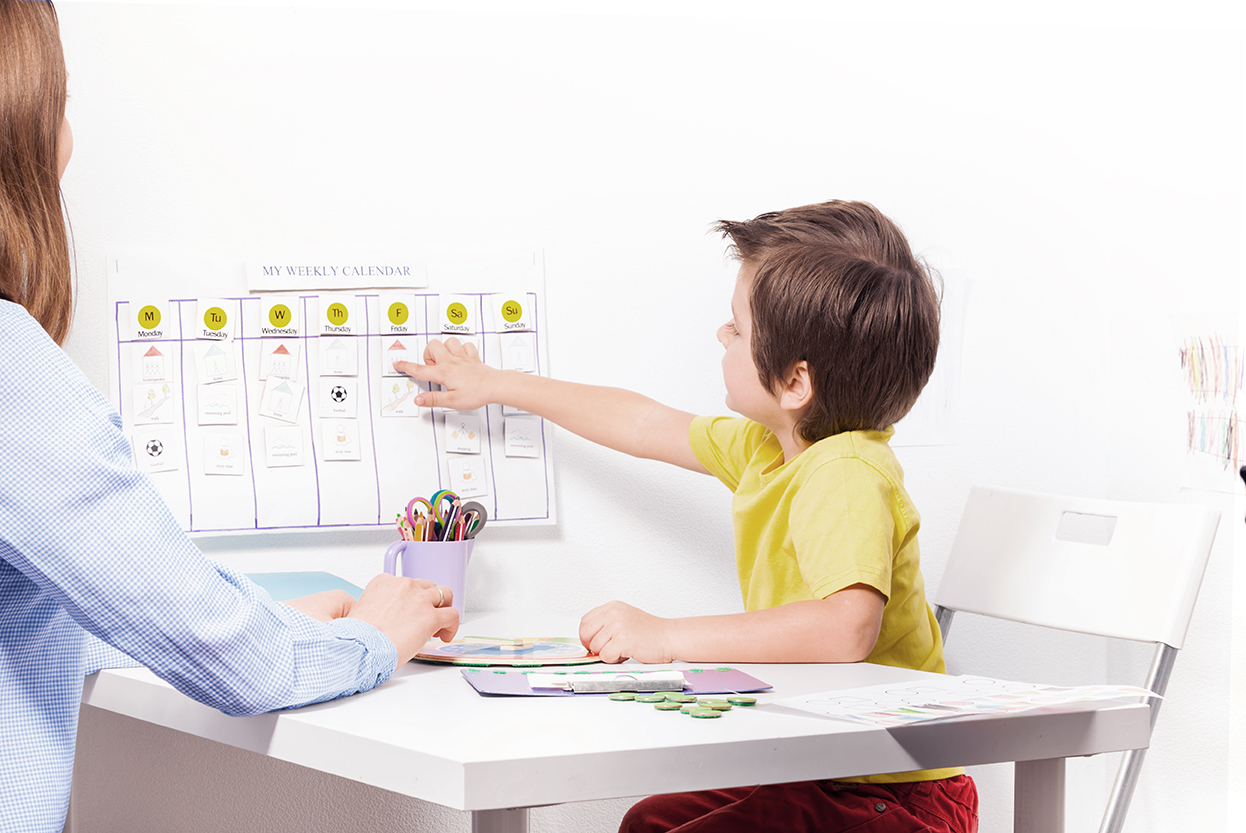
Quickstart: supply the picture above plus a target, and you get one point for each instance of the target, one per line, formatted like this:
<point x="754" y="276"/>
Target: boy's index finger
<point x="415" y="370"/>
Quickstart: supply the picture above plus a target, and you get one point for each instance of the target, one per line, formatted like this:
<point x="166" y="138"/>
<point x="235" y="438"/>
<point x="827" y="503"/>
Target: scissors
<point x="444" y="518"/>
<point x="418" y="509"/>
<point x="474" y="516"/>
<point x="420" y="517"/>
<point x="445" y="508"/>
<point x="445" y="498"/>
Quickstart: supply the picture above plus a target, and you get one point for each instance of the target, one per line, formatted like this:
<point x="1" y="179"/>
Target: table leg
<point x="1038" y="796"/>
<point x="500" y="821"/>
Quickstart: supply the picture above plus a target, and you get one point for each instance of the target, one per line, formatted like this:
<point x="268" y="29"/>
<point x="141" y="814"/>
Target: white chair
<point x="1123" y="570"/>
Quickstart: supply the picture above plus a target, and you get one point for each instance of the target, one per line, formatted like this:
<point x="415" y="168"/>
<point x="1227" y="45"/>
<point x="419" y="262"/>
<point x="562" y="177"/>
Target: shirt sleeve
<point x="92" y="532"/>
<point x="100" y="655"/>
<point x="725" y="445"/>
<point x="842" y="528"/>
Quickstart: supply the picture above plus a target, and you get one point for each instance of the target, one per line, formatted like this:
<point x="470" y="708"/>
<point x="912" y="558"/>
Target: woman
<point x="91" y="560"/>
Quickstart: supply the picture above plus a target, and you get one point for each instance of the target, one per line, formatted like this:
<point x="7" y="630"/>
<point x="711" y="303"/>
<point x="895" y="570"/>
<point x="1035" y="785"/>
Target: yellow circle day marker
<point x="279" y="315"/>
<point x="457" y="313"/>
<point x="512" y="311"/>
<point x="149" y="317"/>
<point x="337" y="314"/>
<point x="214" y="318"/>
<point x="398" y="313"/>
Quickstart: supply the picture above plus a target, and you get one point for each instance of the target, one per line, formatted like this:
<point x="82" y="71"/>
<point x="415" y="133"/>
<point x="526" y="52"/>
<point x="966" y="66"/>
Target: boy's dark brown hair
<point x="837" y="286"/>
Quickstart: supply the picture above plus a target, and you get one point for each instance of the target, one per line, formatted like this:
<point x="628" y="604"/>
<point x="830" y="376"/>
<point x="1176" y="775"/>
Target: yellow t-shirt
<point x="835" y="516"/>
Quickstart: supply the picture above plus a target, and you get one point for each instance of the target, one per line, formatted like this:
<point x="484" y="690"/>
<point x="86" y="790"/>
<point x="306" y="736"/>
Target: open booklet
<point x="536" y="683"/>
<point x="496" y="650"/>
<point x="942" y="698"/>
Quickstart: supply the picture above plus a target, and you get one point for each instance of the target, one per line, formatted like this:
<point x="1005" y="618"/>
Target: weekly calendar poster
<point x="260" y="394"/>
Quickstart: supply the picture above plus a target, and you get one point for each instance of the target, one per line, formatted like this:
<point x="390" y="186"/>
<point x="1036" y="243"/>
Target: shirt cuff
<point x="381" y="653"/>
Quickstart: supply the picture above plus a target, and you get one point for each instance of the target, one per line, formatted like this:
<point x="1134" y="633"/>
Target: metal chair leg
<point x="943" y="615"/>
<point x="1131" y="763"/>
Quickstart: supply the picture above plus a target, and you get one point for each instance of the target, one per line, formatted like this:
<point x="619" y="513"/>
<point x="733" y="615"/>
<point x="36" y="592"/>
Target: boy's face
<point x="745" y="394"/>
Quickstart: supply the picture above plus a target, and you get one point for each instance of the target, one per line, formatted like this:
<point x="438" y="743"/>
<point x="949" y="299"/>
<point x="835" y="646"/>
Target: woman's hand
<point x="409" y="611"/>
<point x="326" y="606"/>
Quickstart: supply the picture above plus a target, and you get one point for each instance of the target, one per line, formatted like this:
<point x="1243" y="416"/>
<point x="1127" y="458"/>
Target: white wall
<point x="1080" y="172"/>
<point x="1237" y="664"/>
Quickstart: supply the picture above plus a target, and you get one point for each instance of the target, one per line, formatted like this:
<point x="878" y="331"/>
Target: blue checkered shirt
<point x="89" y="552"/>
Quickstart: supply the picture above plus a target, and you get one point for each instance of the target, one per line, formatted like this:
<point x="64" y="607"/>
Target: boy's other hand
<point x="457" y="367"/>
<point x="616" y="631"/>
<point x="406" y="610"/>
<point x="325" y="606"/>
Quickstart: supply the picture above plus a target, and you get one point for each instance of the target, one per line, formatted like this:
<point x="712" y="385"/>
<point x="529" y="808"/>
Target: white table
<point x="429" y="735"/>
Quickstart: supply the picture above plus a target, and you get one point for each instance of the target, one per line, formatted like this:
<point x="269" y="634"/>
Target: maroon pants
<point x="949" y="805"/>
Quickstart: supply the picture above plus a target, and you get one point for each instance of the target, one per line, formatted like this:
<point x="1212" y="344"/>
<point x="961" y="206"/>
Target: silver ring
<point x="441" y="597"/>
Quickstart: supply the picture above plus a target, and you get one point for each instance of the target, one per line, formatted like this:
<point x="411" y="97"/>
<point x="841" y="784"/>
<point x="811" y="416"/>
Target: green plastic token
<point x="650" y="698"/>
<point x="622" y="695"/>
<point x="705" y="713"/>
<point x="676" y="697"/>
<point x="714" y="703"/>
<point x="667" y="706"/>
<point x="742" y="701"/>
<point x="687" y="708"/>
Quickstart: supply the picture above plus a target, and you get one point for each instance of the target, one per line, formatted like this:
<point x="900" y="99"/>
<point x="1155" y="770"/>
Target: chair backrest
<point x="1125" y="570"/>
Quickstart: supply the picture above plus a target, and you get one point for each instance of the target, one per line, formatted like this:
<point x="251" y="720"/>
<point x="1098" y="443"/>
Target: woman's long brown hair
<point x="34" y="250"/>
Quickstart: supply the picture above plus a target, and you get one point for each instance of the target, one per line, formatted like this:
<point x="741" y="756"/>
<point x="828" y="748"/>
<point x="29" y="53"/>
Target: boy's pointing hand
<point x="457" y="367"/>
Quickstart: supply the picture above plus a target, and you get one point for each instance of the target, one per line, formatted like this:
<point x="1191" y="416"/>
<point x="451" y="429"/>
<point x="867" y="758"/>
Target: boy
<point x="834" y="331"/>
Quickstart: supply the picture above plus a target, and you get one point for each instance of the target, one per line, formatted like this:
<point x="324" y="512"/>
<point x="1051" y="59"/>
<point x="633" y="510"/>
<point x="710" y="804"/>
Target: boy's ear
<point x="797" y="390"/>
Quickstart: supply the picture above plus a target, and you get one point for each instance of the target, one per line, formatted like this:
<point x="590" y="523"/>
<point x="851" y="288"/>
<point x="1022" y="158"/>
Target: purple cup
<point x="441" y="562"/>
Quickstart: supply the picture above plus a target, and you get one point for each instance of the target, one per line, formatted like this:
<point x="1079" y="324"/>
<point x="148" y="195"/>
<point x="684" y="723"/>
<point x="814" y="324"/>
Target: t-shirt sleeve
<point x="842" y="528"/>
<point x="724" y="445"/>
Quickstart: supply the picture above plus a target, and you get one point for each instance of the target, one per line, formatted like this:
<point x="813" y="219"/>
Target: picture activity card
<point x="257" y="405"/>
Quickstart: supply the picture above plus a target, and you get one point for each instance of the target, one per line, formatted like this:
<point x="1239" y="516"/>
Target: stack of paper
<point x="948" y="697"/>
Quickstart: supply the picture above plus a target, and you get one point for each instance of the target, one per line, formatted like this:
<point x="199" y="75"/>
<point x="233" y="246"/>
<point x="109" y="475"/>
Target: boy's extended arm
<point x="843" y="627"/>
<point x="613" y="417"/>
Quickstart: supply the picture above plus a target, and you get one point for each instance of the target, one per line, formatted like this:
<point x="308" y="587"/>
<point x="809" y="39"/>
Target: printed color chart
<point x="263" y="396"/>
